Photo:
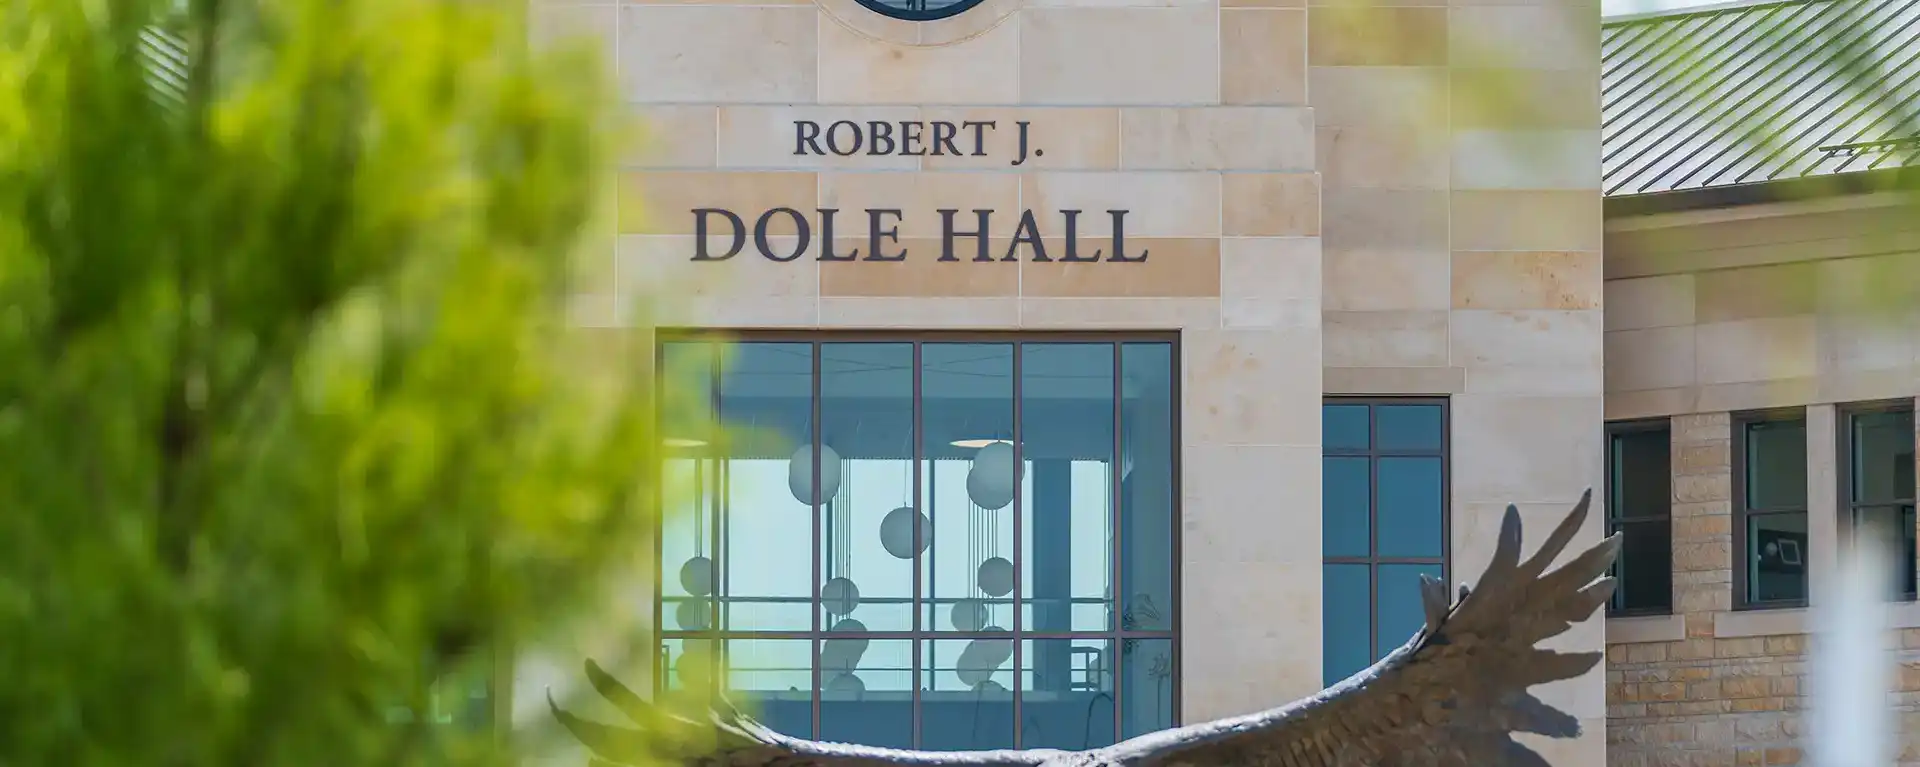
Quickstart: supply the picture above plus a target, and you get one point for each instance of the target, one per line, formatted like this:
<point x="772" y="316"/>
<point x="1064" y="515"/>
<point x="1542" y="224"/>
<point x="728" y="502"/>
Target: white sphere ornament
<point x="991" y="479"/>
<point x="696" y="576"/>
<point x="995" y="577"/>
<point x="990" y="687"/>
<point x="839" y="596"/>
<point x="969" y="615"/>
<point x="800" y="474"/>
<point x="897" y="531"/>
<point x="694" y="615"/>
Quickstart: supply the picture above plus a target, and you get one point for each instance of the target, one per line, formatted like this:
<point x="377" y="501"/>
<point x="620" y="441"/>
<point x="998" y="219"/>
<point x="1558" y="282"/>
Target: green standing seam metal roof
<point x="1755" y="92"/>
<point x="166" y="56"/>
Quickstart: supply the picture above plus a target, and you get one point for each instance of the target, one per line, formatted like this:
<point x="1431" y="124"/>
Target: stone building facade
<point x="1378" y="202"/>
<point x="1714" y="315"/>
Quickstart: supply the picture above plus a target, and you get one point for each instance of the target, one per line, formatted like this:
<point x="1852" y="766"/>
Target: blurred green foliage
<point x="292" y="424"/>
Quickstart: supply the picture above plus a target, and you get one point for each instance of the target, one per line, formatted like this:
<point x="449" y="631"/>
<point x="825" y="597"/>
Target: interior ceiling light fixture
<point x="978" y="443"/>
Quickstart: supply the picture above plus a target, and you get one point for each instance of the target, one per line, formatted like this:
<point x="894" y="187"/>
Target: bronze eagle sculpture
<point x="1452" y="696"/>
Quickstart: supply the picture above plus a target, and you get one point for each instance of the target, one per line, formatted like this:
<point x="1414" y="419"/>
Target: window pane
<point x="766" y="566"/>
<point x="1146" y="485"/>
<point x="1066" y="515"/>
<point x="1409" y="427"/>
<point x="1147" y="666"/>
<point x="1777" y="465"/>
<point x="774" y="679"/>
<point x="1882" y="456"/>
<point x="1344" y="427"/>
<point x="966" y="699"/>
<point x="1890" y="527"/>
<point x="966" y="412"/>
<point x="688" y="530"/>
<point x="686" y="664"/>
<point x="1645" y="566"/>
<point x="866" y="692"/>
<point x="1345" y="506"/>
<point x="1410" y="502"/>
<point x="867" y="525"/>
<point x="1642" y="474"/>
<point x="1400" y="613"/>
<point x="1345" y="621"/>
<point x="1066" y="693"/>
<point x="1777" y="557"/>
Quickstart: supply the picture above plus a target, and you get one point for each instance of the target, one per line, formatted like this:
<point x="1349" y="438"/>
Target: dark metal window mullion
<point x="1116" y="647"/>
<point x="1019" y="561"/>
<point x="717" y="575"/>
<point x="816" y="646"/>
<point x="1373" y="533"/>
<point x="923" y="510"/>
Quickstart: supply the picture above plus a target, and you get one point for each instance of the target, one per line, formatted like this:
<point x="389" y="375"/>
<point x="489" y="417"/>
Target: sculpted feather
<point x="1453" y="695"/>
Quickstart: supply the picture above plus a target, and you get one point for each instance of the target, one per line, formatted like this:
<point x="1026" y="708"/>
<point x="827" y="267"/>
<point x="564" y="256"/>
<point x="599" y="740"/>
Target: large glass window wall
<point x="933" y="541"/>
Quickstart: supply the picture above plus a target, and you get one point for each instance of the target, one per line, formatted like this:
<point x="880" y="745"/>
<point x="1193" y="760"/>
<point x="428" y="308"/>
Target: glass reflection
<point x="1148" y="682"/>
<point x="1400" y="615"/>
<point x="1148" y="435"/>
<point x="866" y="691"/>
<point x="1777" y="465"/>
<point x="1410" y="496"/>
<point x="1346" y="506"/>
<point x="689" y="538"/>
<point x="966" y="411"/>
<point x="773" y="679"/>
<point x="867" y="525"/>
<point x="966" y="699"/>
<point x="790" y="569"/>
<point x="1345" y="621"/>
<point x="1066" y="693"/>
<point x="766" y="396"/>
<point x="1066" y="510"/>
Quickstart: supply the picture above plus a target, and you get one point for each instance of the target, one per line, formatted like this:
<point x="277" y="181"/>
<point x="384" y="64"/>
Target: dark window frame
<point x="1737" y="446"/>
<point x="1846" y="506"/>
<point x="1616" y="523"/>
<point x="1373" y="453"/>
<point x="1116" y="634"/>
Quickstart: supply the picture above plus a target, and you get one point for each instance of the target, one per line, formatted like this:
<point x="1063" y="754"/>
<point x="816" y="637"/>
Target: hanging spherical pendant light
<point x="897" y="532"/>
<point x="993" y="476"/>
<point x="800" y="475"/>
<point x="995" y="577"/>
<point x="696" y="576"/>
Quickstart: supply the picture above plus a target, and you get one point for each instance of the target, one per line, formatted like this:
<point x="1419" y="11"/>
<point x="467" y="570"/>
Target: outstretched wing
<point x="1453" y="695"/>
<point x="732" y="739"/>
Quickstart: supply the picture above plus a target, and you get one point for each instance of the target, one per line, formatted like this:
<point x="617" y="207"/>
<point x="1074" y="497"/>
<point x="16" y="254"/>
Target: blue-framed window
<point x="926" y="540"/>
<point x="1384" y="524"/>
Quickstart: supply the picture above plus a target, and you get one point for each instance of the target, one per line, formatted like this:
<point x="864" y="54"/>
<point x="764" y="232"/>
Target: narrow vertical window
<point x="1770" y="510"/>
<point x="1384" y="524"/>
<point x="1877" y="492"/>
<point x="1640" y="510"/>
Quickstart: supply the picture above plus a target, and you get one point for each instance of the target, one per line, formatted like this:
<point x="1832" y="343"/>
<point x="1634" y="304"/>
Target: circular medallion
<point x="918" y="10"/>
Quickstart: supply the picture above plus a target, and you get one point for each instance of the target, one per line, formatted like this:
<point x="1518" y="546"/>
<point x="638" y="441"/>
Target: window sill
<point x="1640" y="629"/>
<point x="1759" y="623"/>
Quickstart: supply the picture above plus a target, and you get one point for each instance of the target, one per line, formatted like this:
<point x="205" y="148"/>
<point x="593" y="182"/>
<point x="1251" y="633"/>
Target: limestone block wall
<point x="1459" y="149"/>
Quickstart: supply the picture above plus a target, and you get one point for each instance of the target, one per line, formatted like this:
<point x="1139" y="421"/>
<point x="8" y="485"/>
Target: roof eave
<point x="1759" y="193"/>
